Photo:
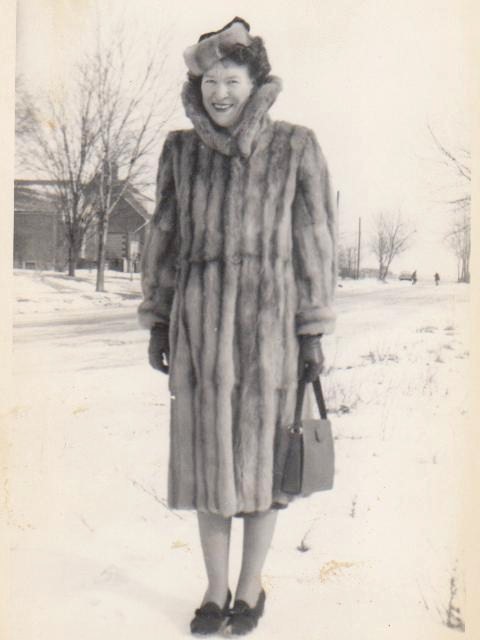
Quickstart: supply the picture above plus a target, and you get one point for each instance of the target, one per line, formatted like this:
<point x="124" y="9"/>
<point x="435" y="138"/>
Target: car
<point x="405" y="275"/>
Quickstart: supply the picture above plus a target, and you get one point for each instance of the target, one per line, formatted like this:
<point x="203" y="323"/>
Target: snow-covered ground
<point x="95" y="554"/>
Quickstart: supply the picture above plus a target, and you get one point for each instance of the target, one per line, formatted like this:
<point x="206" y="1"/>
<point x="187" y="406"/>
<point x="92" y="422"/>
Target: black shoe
<point x="209" y="618"/>
<point x="242" y="619"/>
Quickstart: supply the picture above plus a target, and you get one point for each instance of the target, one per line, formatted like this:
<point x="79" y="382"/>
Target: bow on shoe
<point x="209" y="617"/>
<point x="242" y="618"/>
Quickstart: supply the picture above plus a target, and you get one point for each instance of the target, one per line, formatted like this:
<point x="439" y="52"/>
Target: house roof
<point x="34" y="196"/>
<point x="140" y="202"/>
<point x="38" y="196"/>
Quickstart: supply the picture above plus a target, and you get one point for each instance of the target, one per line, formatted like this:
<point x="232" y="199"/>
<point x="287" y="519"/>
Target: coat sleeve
<point x="314" y="242"/>
<point x="159" y="260"/>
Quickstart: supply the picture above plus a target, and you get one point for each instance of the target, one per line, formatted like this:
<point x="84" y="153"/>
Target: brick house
<point x="39" y="236"/>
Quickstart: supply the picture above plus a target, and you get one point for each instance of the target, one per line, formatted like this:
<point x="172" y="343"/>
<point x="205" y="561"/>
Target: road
<point x="391" y="299"/>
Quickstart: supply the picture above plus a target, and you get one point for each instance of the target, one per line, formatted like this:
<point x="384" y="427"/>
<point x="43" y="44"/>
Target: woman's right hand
<point x="159" y="348"/>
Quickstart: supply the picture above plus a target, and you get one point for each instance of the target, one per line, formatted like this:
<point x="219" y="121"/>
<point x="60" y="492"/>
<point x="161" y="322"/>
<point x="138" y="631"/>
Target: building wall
<point x="39" y="240"/>
<point x="36" y="242"/>
<point x="122" y="224"/>
<point x="125" y="219"/>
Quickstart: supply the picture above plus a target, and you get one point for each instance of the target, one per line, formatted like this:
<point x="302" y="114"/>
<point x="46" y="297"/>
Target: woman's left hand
<point x="158" y="348"/>
<point x="311" y="357"/>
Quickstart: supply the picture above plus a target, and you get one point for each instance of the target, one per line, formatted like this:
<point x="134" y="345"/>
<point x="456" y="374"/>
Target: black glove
<point x="159" y="348"/>
<point x="311" y="357"/>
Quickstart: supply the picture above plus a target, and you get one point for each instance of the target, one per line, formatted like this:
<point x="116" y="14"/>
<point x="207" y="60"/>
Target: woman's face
<point x="226" y="87"/>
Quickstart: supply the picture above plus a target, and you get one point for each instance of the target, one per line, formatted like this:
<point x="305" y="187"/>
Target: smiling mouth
<point x="222" y="108"/>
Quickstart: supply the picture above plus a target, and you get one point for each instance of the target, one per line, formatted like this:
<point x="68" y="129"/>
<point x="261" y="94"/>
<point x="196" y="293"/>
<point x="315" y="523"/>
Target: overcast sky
<point x="367" y="76"/>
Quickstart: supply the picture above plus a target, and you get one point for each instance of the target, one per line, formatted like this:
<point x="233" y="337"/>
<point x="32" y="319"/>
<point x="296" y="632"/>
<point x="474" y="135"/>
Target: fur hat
<point x="213" y="46"/>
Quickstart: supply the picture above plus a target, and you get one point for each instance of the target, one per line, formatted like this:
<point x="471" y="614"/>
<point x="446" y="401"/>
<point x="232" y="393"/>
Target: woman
<point x="238" y="278"/>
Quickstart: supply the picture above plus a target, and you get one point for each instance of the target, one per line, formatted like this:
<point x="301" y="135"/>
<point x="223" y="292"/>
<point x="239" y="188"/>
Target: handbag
<point x="310" y="458"/>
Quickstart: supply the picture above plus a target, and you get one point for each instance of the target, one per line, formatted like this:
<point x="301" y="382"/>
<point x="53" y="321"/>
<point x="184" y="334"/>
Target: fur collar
<point x="238" y="141"/>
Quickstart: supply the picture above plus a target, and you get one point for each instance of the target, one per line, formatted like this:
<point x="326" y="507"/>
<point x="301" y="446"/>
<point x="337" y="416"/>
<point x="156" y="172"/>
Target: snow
<point x="96" y="554"/>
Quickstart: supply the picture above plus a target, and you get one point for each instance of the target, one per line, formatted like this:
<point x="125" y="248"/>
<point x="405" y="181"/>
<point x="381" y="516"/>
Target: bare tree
<point x="24" y="112"/>
<point x="56" y="140"/>
<point x="94" y="140"/>
<point x="133" y="105"/>
<point x="458" y="238"/>
<point x="391" y="236"/>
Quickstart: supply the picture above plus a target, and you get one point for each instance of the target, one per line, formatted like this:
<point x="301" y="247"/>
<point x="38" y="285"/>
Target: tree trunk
<point x="72" y="261"/>
<point x="465" y="270"/>
<point x="102" y="251"/>
<point x="467" y="256"/>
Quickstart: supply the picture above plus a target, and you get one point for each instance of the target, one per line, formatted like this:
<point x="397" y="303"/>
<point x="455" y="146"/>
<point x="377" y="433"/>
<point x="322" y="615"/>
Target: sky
<point x="369" y="77"/>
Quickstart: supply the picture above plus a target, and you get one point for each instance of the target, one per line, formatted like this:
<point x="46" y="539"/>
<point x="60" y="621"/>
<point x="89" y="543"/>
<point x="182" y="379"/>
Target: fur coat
<point x="240" y="260"/>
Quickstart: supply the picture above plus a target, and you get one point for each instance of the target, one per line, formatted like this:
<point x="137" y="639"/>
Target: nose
<point x="221" y="91"/>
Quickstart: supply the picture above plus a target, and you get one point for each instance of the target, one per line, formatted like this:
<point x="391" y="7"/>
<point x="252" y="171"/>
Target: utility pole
<point x="358" y="248"/>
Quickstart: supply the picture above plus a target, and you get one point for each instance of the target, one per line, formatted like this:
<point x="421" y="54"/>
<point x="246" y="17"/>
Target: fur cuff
<point x="201" y="56"/>
<point x="315" y="321"/>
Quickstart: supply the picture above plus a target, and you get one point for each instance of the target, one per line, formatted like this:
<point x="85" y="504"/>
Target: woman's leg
<point x="257" y="537"/>
<point x="215" y="539"/>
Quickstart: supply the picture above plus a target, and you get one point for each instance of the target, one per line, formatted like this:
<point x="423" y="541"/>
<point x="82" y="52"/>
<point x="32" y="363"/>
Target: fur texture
<point x="240" y="260"/>
<point x="201" y="56"/>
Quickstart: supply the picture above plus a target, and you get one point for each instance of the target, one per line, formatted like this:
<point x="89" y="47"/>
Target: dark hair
<point x="254" y="57"/>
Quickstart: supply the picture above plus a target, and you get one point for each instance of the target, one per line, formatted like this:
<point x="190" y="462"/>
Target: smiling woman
<point x="226" y="88"/>
<point x="238" y="280"/>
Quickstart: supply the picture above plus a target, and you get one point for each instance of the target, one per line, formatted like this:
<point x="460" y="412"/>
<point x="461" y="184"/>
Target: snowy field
<point x="95" y="555"/>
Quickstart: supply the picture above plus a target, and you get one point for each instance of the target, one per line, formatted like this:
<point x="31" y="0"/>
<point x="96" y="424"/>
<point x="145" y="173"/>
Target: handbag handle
<point x="317" y="388"/>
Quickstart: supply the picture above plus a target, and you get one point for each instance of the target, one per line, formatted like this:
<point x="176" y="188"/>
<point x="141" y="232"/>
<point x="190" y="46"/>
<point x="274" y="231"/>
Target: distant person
<point x="414" y="277"/>
<point x="437" y="279"/>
